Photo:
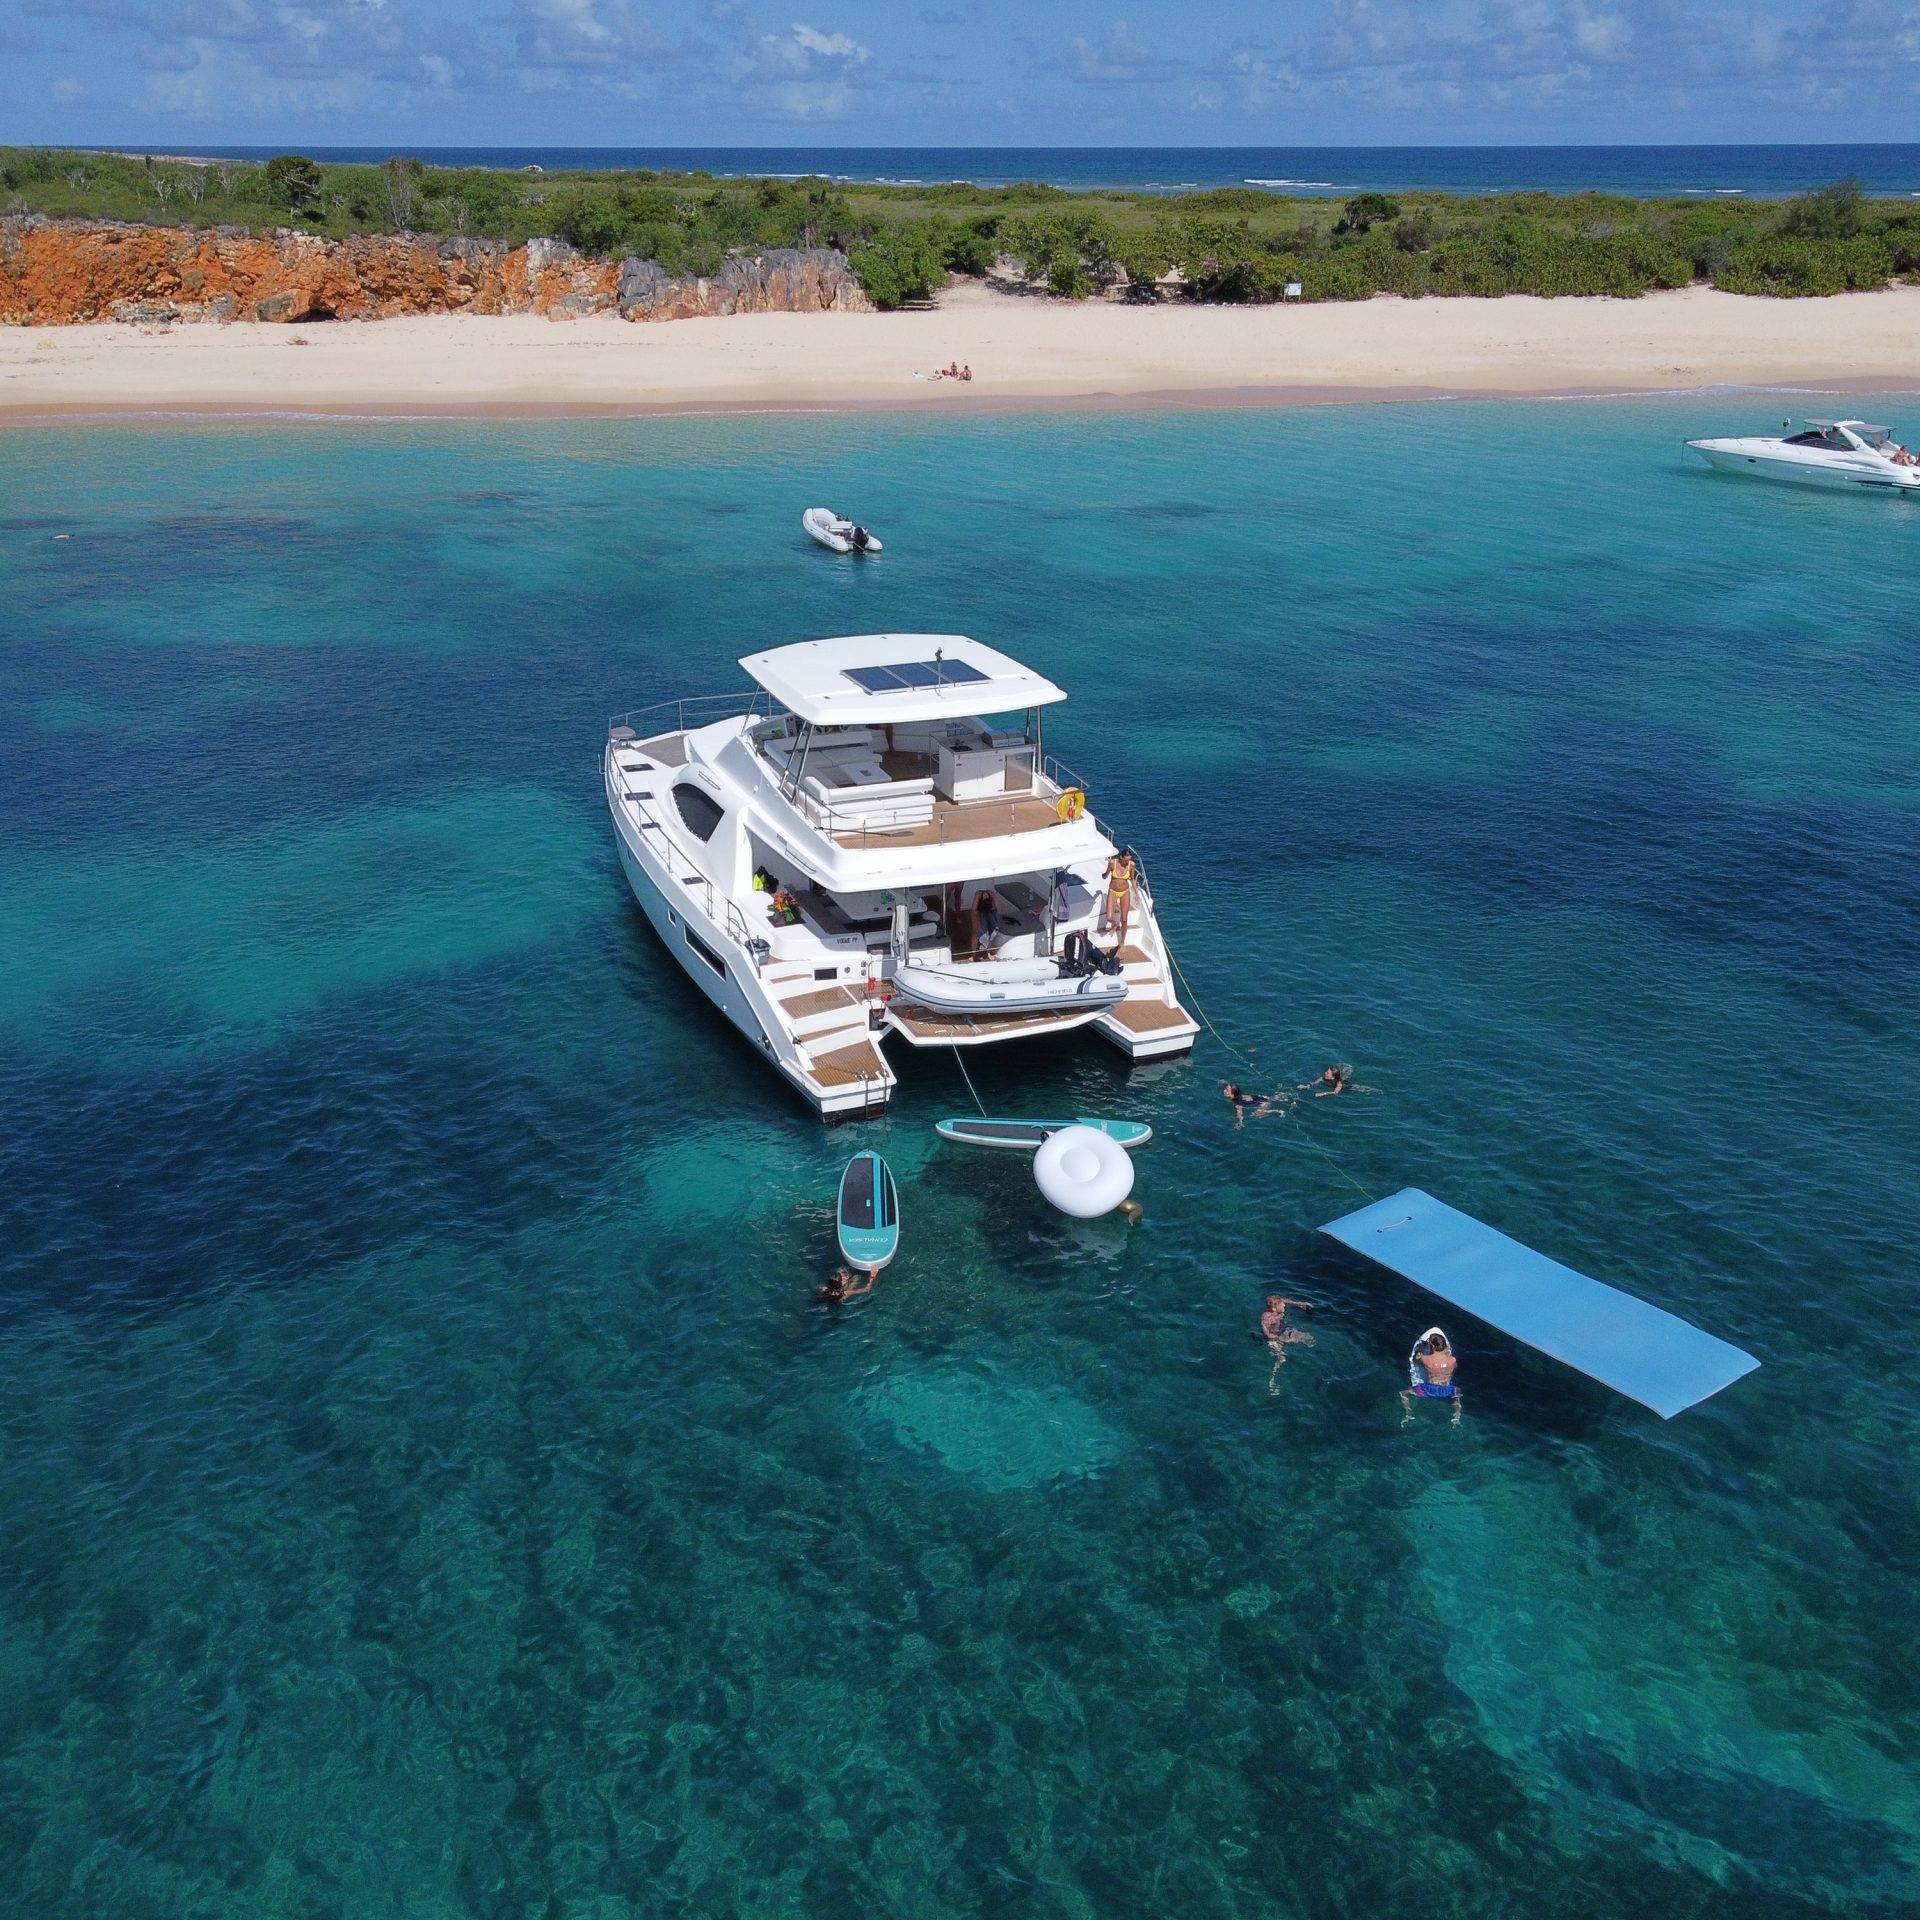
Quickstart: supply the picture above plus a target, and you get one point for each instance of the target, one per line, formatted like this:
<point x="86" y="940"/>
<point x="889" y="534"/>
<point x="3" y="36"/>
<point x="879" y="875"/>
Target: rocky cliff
<point x="57" y="272"/>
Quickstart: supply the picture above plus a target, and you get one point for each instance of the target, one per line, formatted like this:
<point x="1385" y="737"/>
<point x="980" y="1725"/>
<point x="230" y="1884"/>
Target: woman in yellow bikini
<point x="1120" y="879"/>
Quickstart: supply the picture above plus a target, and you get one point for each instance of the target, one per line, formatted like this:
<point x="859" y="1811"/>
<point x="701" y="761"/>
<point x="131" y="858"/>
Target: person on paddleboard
<point x="1432" y="1366"/>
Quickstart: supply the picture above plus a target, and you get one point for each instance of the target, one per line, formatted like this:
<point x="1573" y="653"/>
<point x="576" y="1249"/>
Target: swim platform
<point x="1638" y="1349"/>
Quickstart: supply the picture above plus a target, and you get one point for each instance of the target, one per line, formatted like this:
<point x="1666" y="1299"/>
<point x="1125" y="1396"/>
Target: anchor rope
<point x="959" y="1062"/>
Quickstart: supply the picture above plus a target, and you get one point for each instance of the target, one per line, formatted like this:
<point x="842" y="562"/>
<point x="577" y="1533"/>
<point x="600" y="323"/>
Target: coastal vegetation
<point x="1241" y="244"/>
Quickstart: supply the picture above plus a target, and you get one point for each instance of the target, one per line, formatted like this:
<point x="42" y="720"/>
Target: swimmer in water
<point x="1245" y="1103"/>
<point x="842" y="1285"/>
<point x="1279" y="1336"/>
<point x="1434" y="1364"/>
<point x="1331" y="1081"/>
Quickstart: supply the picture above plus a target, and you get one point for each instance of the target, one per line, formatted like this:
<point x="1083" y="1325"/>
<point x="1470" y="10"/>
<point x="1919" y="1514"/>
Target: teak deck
<point x="959" y="821"/>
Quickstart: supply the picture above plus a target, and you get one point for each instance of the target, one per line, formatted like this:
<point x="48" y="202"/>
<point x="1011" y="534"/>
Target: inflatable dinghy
<point x="1005" y="986"/>
<point x="1028" y="1136"/>
<point x="869" y="1214"/>
<point x="835" y="531"/>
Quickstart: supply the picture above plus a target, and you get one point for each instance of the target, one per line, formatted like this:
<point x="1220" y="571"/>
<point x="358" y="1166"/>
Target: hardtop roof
<point x="941" y="675"/>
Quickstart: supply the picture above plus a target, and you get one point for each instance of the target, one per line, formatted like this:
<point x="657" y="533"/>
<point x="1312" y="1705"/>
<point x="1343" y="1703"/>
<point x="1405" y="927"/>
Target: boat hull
<point x="825" y="527"/>
<point x="1755" y="464"/>
<point x="715" y="965"/>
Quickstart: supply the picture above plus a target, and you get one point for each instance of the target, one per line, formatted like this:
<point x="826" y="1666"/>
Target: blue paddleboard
<point x="869" y="1213"/>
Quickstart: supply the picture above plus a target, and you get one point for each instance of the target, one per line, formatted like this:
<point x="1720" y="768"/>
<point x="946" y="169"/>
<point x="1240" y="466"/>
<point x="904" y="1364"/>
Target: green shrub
<point x="1363" y="210"/>
<point x="1792" y="268"/>
<point x="905" y="263"/>
<point x="972" y="247"/>
<point x="1828" y="213"/>
<point x="1418" y="231"/>
<point x="1068" y="278"/>
<point x="292" y="180"/>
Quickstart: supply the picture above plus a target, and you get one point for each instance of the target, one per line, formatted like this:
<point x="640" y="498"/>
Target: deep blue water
<point x="1760" y="171"/>
<point x="425" y="1486"/>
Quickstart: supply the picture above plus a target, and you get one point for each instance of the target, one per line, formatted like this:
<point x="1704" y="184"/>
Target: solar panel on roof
<point x="914" y="673"/>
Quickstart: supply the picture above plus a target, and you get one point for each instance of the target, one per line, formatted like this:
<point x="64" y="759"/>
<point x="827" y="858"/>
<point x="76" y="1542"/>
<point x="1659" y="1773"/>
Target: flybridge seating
<point x="891" y="736"/>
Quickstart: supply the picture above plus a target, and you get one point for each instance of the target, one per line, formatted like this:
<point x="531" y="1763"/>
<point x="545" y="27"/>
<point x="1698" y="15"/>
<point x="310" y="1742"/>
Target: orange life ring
<point x="1073" y="803"/>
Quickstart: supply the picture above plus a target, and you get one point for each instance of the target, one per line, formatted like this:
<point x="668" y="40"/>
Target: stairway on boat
<point x="827" y="1021"/>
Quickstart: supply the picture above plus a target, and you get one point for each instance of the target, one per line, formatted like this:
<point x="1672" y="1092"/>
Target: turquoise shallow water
<point x="425" y="1487"/>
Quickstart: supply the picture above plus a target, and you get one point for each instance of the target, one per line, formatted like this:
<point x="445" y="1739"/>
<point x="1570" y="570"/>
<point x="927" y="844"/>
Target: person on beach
<point x="1434" y="1363"/>
<point x="842" y="1285"/>
<point x="966" y="373"/>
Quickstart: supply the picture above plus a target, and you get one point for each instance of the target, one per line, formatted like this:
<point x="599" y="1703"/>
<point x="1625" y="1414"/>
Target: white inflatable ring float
<point x="1083" y="1172"/>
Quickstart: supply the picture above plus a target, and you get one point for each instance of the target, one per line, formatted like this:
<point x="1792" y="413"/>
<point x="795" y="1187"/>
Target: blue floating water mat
<point x="1650" y="1355"/>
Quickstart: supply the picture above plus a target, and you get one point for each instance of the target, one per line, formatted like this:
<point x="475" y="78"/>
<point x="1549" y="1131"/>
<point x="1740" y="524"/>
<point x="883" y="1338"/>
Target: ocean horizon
<point x="1886" y="170"/>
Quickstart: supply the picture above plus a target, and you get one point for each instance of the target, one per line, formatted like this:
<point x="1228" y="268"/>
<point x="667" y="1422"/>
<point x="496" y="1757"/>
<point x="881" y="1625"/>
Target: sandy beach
<point x="1023" y="351"/>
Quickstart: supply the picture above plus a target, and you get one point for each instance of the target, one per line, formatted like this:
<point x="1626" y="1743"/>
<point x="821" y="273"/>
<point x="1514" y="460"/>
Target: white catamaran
<point x="875" y="844"/>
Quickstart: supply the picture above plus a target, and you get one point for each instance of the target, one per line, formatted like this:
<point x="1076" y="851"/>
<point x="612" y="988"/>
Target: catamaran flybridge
<point x="875" y="847"/>
<point x="1825" y="453"/>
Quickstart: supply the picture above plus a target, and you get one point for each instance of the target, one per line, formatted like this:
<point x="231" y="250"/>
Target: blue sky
<point x="956" y="72"/>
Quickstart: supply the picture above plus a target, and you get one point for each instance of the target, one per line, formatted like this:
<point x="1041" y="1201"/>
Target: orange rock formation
<point x="58" y="272"/>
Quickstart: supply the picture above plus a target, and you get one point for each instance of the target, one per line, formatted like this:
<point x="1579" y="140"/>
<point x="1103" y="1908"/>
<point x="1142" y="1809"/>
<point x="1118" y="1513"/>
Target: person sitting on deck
<point x="1434" y="1363"/>
<point x="842" y="1285"/>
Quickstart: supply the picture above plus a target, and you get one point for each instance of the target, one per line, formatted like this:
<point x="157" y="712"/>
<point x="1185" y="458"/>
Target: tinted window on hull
<point x="699" y="809"/>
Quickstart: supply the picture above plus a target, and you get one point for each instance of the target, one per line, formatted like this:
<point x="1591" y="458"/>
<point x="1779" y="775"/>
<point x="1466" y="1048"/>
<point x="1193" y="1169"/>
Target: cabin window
<point x="699" y="809"/>
<point x="706" y="953"/>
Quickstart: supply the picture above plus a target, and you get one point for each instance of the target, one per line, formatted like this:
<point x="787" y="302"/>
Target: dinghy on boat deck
<point x="1636" y="1348"/>
<point x="869" y="1213"/>
<point x="1005" y="986"/>
<point x="1027" y="1136"/>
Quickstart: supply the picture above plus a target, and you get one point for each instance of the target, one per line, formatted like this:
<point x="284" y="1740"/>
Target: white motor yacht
<point x="815" y="855"/>
<point x="1825" y="453"/>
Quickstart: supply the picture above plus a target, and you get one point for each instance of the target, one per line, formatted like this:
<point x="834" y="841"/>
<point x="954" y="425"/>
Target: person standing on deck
<point x="1121" y="874"/>
<point x="986" y="922"/>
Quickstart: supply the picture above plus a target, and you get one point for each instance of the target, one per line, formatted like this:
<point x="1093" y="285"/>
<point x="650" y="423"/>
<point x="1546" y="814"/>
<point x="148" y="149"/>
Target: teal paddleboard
<point x="1025" y="1136"/>
<point x="869" y="1213"/>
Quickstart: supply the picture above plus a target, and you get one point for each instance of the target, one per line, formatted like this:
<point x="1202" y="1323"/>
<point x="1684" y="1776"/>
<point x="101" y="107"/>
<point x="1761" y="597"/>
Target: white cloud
<point x="1118" y="60"/>
<point x="805" y="73"/>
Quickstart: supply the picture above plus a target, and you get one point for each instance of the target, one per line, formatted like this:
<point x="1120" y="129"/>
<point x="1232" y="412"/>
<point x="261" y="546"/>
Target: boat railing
<point x="1061" y="777"/>
<point x="691" y="710"/>
<point x="951" y="819"/>
<point x="697" y="885"/>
